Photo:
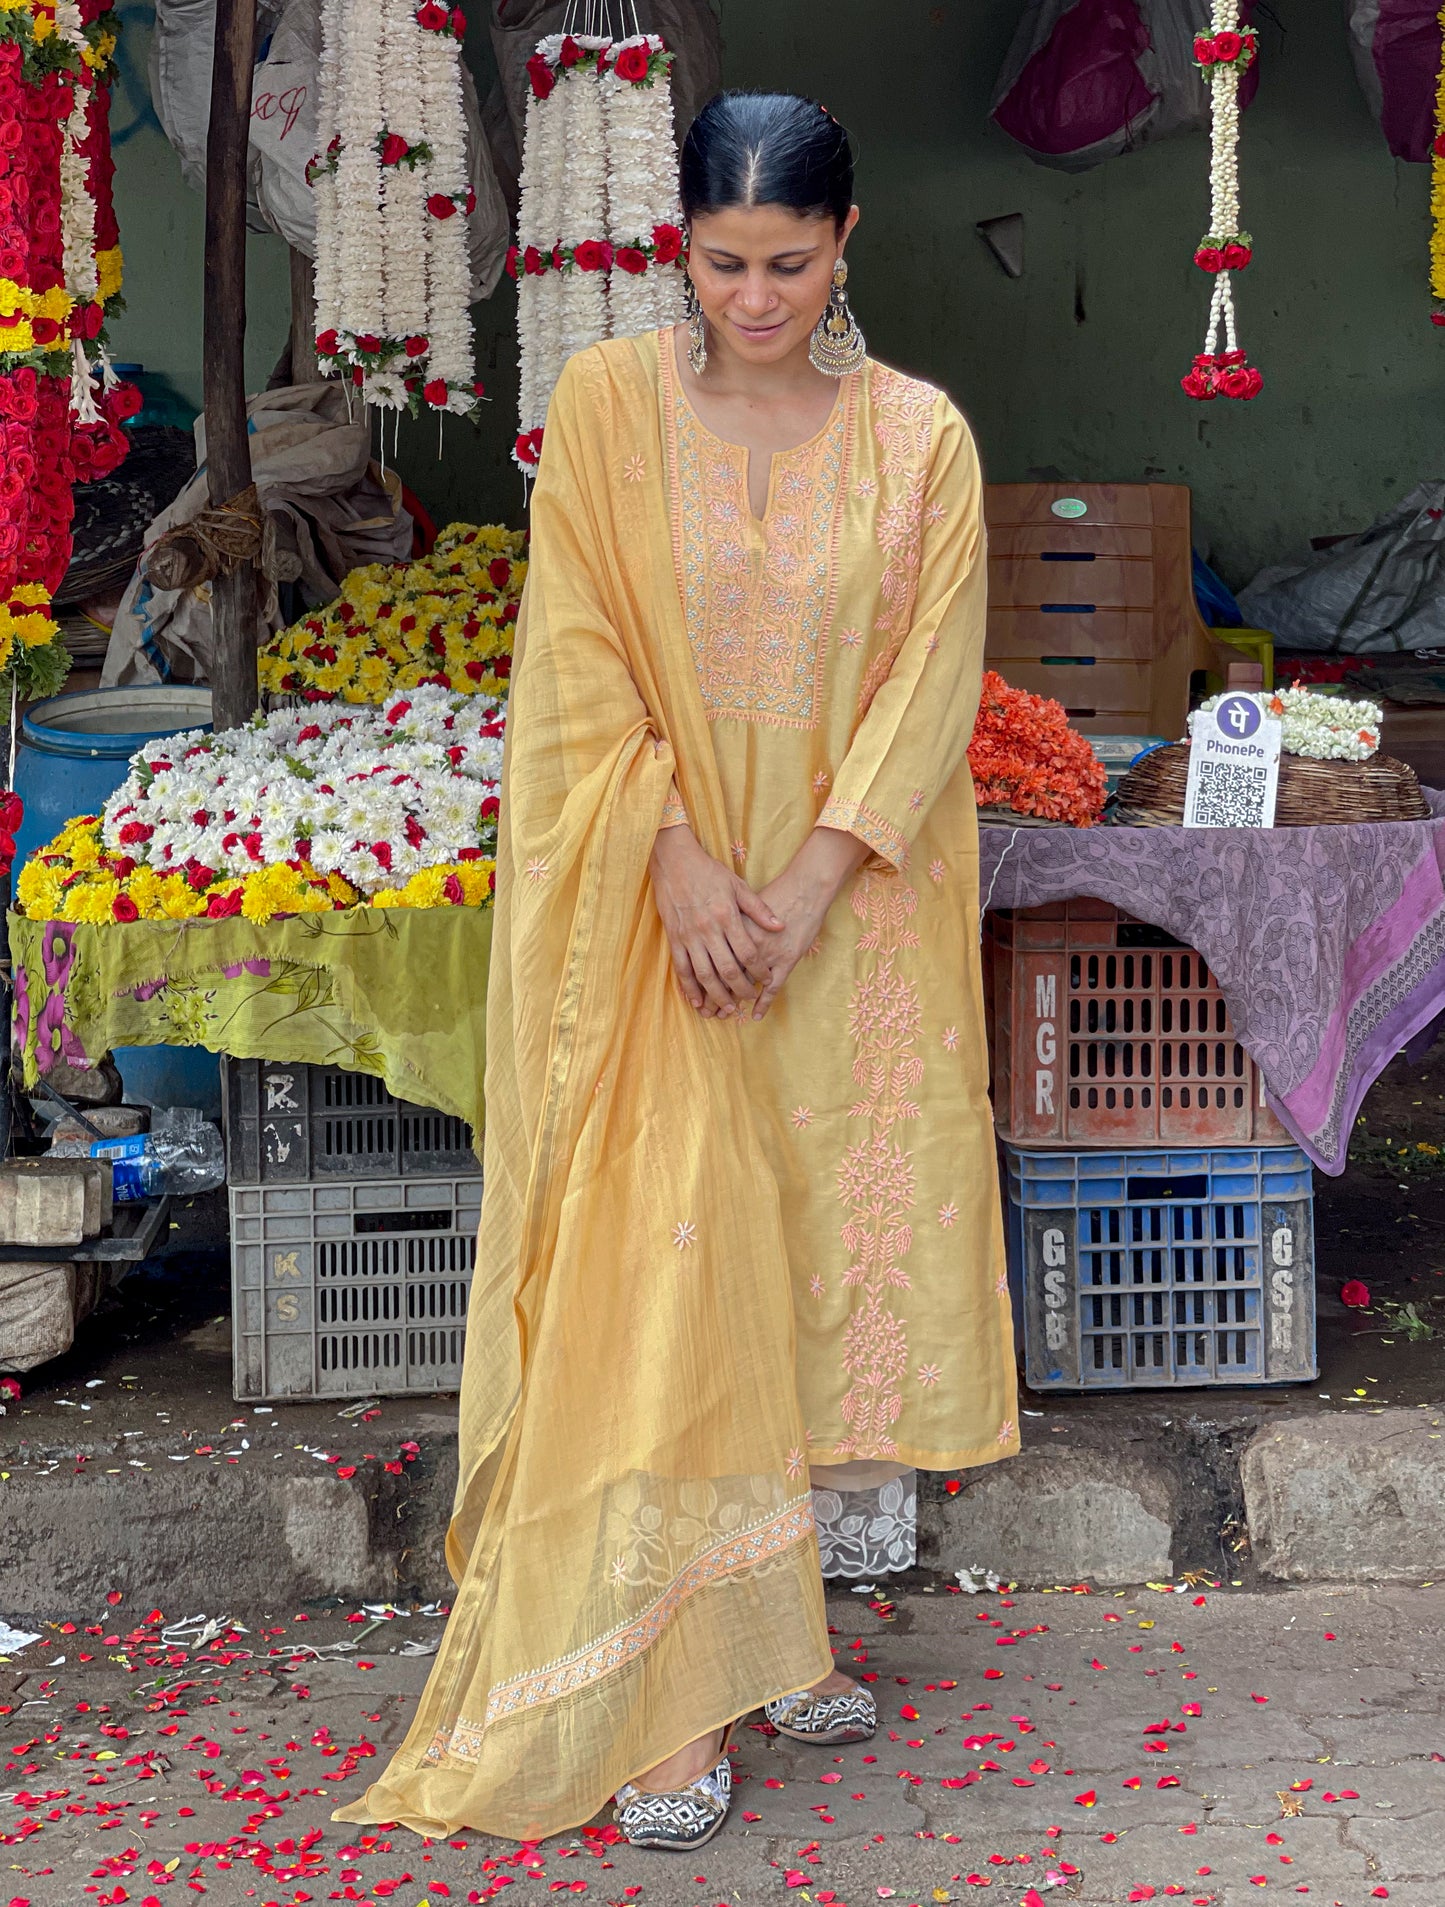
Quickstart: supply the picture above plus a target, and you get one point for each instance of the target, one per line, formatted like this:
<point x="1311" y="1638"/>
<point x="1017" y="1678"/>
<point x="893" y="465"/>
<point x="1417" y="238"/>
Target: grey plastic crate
<point x="290" y="1123"/>
<point x="1135" y="1270"/>
<point x="351" y="1289"/>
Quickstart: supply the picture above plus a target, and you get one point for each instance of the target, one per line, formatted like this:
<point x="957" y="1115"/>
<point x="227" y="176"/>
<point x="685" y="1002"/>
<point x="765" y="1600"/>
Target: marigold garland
<point x="1025" y="756"/>
<point x="59" y="268"/>
<point x="1437" y="191"/>
<point x="449" y="618"/>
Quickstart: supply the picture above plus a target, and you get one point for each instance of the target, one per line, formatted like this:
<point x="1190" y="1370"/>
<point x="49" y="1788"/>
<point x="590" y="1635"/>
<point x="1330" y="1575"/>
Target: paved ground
<point x="1209" y="1744"/>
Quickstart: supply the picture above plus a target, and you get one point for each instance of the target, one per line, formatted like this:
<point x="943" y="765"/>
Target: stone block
<point x="36" y="1210"/>
<point x="99" y="1180"/>
<point x="37" y="1313"/>
<point x="1348" y="1499"/>
<point x="1055" y="1515"/>
<point x="112" y="1122"/>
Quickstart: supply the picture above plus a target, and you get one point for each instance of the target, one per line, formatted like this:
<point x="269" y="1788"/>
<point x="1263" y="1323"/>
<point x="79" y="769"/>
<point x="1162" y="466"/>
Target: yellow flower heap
<point x="448" y="618"/>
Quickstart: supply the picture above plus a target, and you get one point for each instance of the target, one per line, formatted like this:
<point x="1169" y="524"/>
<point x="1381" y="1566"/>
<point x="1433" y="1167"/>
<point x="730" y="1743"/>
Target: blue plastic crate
<point x="1134" y="1270"/>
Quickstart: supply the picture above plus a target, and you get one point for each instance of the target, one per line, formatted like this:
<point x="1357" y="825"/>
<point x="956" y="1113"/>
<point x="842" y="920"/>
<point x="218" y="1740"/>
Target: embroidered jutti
<point x="713" y="1254"/>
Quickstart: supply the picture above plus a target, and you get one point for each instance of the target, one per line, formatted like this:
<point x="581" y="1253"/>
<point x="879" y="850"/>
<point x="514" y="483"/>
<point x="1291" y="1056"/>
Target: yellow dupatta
<point x="633" y="1539"/>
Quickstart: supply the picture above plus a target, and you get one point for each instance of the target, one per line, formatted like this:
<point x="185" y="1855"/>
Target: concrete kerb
<point x="1123" y="1497"/>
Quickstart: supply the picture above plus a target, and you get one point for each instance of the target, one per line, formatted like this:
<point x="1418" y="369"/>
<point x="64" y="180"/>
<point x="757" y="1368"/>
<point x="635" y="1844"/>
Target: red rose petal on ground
<point x="1086" y="1799"/>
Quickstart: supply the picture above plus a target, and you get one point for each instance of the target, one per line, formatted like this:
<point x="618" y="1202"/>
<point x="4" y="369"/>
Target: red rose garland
<point x="1223" y="55"/>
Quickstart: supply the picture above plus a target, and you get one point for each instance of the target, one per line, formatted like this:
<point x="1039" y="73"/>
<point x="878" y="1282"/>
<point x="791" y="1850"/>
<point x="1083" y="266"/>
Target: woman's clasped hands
<point x="732" y="949"/>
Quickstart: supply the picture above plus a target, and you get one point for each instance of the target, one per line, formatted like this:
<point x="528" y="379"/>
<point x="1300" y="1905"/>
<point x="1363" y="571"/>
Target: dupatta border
<point x="767" y="1539"/>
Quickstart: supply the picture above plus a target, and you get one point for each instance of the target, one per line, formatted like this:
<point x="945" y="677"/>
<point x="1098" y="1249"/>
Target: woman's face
<point x="762" y="274"/>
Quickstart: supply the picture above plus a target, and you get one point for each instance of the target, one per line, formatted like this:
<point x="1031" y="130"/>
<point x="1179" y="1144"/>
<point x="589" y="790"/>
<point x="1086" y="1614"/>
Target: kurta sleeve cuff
<point x="674" y="813"/>
<point x="873" y="830"/>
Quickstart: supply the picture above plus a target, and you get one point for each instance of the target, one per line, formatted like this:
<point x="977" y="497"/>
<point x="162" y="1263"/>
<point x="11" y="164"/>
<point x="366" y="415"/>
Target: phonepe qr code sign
<point x="1233" y="765"/>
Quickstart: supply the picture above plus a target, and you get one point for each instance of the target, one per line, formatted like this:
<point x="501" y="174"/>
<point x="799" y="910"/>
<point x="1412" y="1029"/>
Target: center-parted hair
<point x="767" y="149"/>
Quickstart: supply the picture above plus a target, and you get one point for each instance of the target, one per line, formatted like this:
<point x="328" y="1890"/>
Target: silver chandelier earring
<point x="696" y="326"/>
<point x="838" y="345"/>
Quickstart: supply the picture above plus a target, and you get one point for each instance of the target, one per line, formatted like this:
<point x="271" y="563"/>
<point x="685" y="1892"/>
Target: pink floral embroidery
<point x="684" y="1233"/>
<point x="758" y="598"/>
<point x="928" y="1374"/>
<point x="1006" y="1432"/>
<point x="903" y="425"/>
<point x="947" y="1215"/>
<point x="936" y="871"/>
<point x="876" y="1178"/>
<point x="802" y="1117"/>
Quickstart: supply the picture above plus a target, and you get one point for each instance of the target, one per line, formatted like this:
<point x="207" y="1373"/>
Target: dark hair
<point x="767" y="149"/>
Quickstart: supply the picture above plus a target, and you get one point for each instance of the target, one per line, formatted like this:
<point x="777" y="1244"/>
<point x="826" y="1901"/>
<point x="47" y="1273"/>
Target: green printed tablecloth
<point x="396" y="992"/>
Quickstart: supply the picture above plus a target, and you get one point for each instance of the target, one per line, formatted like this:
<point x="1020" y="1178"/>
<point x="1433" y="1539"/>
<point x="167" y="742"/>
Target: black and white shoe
<point x="824" y="1720"/>
<point x="682" y="1818"/>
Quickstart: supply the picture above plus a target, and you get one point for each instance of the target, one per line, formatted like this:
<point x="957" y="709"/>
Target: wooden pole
<point x="234" y="603"/>
<point x="304" y="368"/>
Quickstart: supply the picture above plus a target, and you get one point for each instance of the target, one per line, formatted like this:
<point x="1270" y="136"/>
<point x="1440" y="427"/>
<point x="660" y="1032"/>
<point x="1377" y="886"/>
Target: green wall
<point x="1071" y="371"/>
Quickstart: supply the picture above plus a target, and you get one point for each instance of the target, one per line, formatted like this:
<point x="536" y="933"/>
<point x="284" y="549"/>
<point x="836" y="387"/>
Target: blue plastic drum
<point x="74" y="751"/>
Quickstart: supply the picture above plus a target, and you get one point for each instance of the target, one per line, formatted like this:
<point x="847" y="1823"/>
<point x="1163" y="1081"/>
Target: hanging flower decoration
<point x="61" y="406"/>
<point x="599" y="233"/>
<point x="448" y="619"/>
<point x="1437" y="191"/>
<point x="303" y="811"/>
<point x="1224" y="54"/>
<point x="393" y="275"/>
<point x="1025" y="756"/>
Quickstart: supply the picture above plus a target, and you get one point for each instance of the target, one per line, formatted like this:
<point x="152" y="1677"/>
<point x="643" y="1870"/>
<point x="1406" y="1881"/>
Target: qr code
<point x="1231" y="794"/>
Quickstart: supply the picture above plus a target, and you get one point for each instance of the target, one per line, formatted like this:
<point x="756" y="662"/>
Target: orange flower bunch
<point x="1025" y="756"/>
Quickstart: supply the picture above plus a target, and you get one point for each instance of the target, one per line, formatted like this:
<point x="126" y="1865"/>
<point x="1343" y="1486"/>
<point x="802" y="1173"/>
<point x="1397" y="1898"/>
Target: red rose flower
<point x="1204" y="50"/>
<point x="441" y="205"/>
<point x="1256" y="383"/>
<point x="1227" y="47"/>
<point x="632" y="63"/>
<point x="122" y="402"/>
<point x="1234" y="382"/>
<point x="1209" y="258"/>
<point x="491" y="806"/>
<point x="1439" y="147"/>
<point x="541" y="75"/>
<point x="571" y="52"/>
<point x="1230" y="357"/>
<point x="12" y="813"/>
<point x="124" y="908"/>
<point x="452" y="891"/>
<point x="666" y="244"/>
<point x="1236" y="257"/>
<point x="431" y="16"/>
<point x="1197" y="383"/>
<point x="459" y="23"/>
<point x="501" y="667"/>
<point x="512" y="256"/>
<point x="415" y="347"/>
<point x="499" y="570"/>
<point x="533" y="262"/>
<point x="592" y="255"/>
<point x="435" y="392"/>
<point x="223" y="906"/>
<point x="1356" y="1294"/>
<point x="326" y="342"/>
<point x="368" y="342"/>
<point x="382" y="851"/>
<point x="393" y="149"/>
<point x="86" y="321"/>
<point x="471" y="204"/>
<point x="44" y="331"/>
<point x="628" y="258"/>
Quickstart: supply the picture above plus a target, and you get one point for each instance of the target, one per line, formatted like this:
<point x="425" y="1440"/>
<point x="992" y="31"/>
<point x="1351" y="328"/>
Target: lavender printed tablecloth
<point x="1328" y="943"/>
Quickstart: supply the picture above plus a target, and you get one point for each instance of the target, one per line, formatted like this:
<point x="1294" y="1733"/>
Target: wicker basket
<point x="1312" y="794"/>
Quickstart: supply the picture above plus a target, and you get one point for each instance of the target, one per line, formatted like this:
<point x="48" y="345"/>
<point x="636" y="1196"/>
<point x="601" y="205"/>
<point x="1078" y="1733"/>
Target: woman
<point x="741" y="1221"/>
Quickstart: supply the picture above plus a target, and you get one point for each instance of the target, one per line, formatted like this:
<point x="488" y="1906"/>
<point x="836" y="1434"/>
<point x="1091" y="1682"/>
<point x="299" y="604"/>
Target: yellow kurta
<point x="712" y="1254"/>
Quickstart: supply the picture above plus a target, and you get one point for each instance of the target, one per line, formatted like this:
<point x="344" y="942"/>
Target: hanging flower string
<point x="392" y="194"/>
<point x="1223" y="55"/>
<point x="599" y="233"/>
<point x="1437" y="191"/>
<point x="61" y="406"/>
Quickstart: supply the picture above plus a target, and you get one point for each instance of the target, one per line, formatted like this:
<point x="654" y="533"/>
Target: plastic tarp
<point x="1370" y="594"/>
<point x="283" y="123"/>
<point x="1396" y="49"/>
<point x="1086" y="80"/>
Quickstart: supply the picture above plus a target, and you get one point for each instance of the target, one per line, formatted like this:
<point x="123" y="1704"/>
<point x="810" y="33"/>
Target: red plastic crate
<point x="1104" y="1031"/>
